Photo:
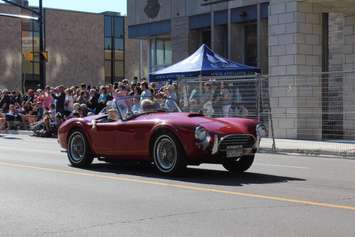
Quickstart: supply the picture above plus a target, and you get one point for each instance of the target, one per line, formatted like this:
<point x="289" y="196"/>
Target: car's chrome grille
<point x="247" y="141"/>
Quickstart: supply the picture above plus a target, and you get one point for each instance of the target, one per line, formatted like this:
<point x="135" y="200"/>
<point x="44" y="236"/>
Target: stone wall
<point x="180" y="38"/>
<point x="295" y="49"/>
<point x="349" y="78"/>
<point x="10" y="49"/>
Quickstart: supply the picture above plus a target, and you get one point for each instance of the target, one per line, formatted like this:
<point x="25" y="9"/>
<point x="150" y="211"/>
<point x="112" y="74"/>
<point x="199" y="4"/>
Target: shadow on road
<point x="195" y="175"/>
<point x="9" y="138"/>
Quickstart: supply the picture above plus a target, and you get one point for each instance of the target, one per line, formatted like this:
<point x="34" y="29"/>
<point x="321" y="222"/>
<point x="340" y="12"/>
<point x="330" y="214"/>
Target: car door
<point x="104" y="137"/>
<point x="133" y="138"/>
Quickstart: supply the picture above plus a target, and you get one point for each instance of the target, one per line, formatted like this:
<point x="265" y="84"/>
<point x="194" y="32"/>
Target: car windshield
<point x="132" y="106"/>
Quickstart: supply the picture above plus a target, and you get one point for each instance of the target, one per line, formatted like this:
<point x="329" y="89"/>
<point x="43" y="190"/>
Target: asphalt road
<point x="41" y="195"/>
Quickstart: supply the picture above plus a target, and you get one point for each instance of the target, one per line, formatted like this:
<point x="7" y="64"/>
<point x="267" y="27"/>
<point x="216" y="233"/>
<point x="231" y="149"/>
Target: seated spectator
<point x="39" y="110"/>
<point x="13" y="118"/>
<point x="48" y="126"/>
<point x="76" y="111"/>
<point x="52" y="110"/>
<point x="83" y="110"/>
<point x="93" y="101"/>
<point x="42" y="128"/>
<point x="5" y="101"/>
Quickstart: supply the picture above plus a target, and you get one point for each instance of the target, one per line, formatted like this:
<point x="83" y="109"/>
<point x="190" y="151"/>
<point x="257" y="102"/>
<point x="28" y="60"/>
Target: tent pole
<point x="212" y="29"/>
<point x="258" y="35"/>
<point x="229" y="32"/>
<point x="259" y="94"/>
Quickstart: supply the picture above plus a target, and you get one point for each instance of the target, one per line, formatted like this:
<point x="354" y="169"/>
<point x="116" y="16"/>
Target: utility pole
<point x="40" y="19"/>
<point x="42" y="65"/>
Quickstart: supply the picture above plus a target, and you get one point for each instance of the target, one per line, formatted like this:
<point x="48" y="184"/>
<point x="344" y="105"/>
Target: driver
<point x="112" y="115"/>
<point x="147" y="106"/>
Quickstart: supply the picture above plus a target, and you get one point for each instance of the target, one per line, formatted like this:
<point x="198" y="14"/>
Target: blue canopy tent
<point x="204" y="62"/>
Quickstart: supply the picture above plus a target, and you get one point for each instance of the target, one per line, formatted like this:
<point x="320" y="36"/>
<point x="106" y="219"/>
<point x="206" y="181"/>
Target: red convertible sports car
<point x="161" y="134"/>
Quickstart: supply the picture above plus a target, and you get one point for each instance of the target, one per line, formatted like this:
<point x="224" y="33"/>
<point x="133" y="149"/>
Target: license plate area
<point x="234" y="151"/>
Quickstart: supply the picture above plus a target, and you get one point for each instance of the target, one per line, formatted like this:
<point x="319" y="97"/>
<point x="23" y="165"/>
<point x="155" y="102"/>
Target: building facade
<point x="82" y="48"/>
<point x="174" y="29"/>
<point x="311" y="65"/>
<point x="299" y="44"/>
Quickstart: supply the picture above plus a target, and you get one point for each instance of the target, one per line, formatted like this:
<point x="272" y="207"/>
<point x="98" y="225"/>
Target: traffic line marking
<point x="185" y="187"/>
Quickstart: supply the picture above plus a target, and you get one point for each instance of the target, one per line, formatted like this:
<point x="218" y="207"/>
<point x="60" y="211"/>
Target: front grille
<point x="247" y="141"/>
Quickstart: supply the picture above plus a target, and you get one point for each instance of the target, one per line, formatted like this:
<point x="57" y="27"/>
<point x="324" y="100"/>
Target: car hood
<point x="216" y="125"/>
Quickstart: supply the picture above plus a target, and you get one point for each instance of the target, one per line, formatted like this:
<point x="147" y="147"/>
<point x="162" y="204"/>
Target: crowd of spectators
<point x="44" y="110"/>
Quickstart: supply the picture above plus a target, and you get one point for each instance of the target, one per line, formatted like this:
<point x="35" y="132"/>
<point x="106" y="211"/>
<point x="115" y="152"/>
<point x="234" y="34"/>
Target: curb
<point x="312" y="153"/>
<point x="16" y="132"/>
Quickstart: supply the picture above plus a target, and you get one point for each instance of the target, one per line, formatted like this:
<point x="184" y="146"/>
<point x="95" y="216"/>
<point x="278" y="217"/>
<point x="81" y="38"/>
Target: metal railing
<point x="317" y="110"/>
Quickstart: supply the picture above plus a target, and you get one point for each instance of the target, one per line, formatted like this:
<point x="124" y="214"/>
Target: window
<point x="30" y="44"/>
<point x="160" y="53"/>
<point x="108" y="26"/>
<point x="108" y="43"/>
<point x="251" y="45"/>
<point x="119" y="43"/>
<point x="108" y="68"/>
<point x="119" y="68"/>
<point x="119" y="27"/>
<point x="206" y="37"/>
<point x="119" y="55"/>
<point x="114" y="48"/>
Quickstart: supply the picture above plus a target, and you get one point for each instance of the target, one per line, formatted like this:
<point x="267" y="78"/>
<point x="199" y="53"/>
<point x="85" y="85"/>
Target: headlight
<point x="201" y="134"/>
<point x="261" y="130"/>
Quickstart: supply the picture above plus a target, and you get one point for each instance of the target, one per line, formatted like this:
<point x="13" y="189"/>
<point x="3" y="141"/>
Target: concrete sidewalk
<point x="16" y="132"/>
<point x="341" y="148"/>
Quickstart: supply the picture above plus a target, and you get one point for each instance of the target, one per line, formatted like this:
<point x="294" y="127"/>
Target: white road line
<point x="282" y="166"/>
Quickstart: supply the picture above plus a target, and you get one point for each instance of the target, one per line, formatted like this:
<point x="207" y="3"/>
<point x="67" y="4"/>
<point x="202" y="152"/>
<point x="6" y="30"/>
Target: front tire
<point x="239" y="166"/>
<point x="168" y="153"/>
<point x="79" y="154"/>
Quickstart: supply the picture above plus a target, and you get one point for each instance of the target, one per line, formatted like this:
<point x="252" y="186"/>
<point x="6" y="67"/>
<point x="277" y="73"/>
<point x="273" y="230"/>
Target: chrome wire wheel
<point x="77" y="147"/>
<point x="165" y="153"/>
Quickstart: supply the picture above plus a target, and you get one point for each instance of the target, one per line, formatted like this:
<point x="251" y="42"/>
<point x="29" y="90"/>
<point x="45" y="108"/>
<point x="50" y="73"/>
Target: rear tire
<point x="239" y="166"/>
<point x="79" y="153"/>
<point x="168" y="153"/>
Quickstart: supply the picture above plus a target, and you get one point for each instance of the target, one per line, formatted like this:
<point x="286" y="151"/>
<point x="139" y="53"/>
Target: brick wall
<point x="75" y="42"/>
<point x="10" y="49"/>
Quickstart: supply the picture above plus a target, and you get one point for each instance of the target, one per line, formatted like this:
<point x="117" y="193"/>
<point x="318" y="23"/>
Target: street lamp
<point x="38" y="17"/>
